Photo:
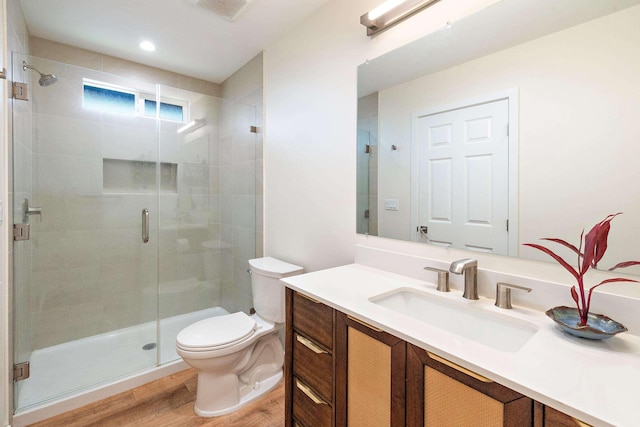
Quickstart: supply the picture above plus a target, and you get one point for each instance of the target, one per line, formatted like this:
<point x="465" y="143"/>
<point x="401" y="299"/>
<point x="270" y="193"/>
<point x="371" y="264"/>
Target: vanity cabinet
<point x="340" y="371"/>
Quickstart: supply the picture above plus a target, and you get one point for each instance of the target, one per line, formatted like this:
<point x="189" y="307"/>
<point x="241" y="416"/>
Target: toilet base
<point x="260" y="388"/>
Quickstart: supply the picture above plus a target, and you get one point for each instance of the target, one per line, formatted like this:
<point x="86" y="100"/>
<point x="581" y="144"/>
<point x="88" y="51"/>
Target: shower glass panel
<point x="362" y="169"/>
<point x="93" y="302"/>
<point x="207" y="228"/>
<point x="85" y="284"/>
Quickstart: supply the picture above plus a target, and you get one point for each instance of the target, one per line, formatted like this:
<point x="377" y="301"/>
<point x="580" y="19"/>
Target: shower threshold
<point x="83" y="364"/>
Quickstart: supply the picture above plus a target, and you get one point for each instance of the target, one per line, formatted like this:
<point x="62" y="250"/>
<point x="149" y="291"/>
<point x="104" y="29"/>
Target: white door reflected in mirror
<point x="462" y="176"/>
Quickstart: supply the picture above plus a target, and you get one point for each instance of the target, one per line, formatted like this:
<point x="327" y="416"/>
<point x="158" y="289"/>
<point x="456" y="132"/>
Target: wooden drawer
<point x="309" y="408"/>
<point x="314" y="365"/>
<point x="313" y="319"/>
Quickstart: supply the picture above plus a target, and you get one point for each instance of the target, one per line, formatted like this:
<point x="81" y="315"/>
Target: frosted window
<point x="113" y="99"/>
<point x="109" y="100"/>
<point x="167" y="111"/>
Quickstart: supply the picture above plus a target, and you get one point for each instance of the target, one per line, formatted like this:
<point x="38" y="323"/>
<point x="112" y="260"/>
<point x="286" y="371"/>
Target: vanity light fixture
<point x="392" y="12"/>
<point x="192" y="125"/>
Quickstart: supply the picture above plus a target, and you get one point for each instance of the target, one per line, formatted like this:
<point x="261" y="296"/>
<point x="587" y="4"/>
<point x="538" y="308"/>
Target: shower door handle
<point x="28" y="210"/>
<point x="145" y="225"/>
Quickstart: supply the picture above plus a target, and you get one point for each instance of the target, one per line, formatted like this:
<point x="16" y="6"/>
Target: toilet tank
<point x="267" y="289"/>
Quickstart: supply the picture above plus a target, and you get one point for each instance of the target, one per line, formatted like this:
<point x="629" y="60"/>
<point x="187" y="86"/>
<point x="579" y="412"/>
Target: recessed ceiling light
<point x="148" y="46"/>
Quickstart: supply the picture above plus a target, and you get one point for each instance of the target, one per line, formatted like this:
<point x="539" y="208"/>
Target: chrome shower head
<point x="45" y="79"/>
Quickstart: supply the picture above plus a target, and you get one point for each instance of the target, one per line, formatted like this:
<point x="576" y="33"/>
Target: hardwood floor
<point x="168" y="402"/>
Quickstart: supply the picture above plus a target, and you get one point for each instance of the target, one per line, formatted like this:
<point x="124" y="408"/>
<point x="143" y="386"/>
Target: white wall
<point x="310" y="93"/>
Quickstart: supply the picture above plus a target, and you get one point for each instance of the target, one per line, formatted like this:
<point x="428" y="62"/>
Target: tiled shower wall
<point x="241" y="195"/>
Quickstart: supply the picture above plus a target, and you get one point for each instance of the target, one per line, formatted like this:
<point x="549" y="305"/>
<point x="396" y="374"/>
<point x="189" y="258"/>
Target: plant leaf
<point x="603" y="235"/>
<point x="601" y="242"/>
<point x="624" y="264"/>
<point x="563" y="243"/>
<point x="614" y="279"/>
<point x="574" y="295"/>
<point x="558" y="258"/>
<point x="590" y="248"/>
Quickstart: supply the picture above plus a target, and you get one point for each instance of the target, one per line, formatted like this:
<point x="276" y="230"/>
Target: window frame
<point x="139" y="101"/>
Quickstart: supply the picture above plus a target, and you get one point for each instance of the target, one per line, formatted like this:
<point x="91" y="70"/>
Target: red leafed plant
<point x="591" y="250"/>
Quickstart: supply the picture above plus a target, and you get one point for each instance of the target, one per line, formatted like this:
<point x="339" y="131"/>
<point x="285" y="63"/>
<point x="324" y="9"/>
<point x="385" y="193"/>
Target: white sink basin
<point x="489" y="328"/>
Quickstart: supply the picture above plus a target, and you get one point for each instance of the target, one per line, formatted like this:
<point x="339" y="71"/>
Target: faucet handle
<point x="443" y="278"/>
<point x="503" y="294"/>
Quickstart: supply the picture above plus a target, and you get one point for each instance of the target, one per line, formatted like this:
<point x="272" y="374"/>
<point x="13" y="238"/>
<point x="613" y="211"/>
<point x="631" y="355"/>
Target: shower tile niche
<point x="127" y="176"/>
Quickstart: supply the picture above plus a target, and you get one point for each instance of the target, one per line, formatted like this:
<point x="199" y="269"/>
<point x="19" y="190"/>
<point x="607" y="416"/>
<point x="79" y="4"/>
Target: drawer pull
<point x="310" y="345"/>
<point x="365" y="324"/>
<point x="459" y="368"/>
<point x="309" y="298"/>
<point x="311" y="395"/>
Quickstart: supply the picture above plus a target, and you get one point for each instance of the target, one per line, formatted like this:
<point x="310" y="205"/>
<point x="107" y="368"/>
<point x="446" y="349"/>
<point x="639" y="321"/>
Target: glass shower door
<point x="207" y="229"/>
<point x="85" y="166"/>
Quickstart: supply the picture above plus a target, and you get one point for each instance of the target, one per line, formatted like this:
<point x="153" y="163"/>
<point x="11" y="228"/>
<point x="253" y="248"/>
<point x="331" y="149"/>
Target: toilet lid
<point x="219" y="331"/>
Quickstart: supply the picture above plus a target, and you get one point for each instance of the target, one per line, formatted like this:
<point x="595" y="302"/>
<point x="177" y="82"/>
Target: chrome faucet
<point x="468" y="267"/>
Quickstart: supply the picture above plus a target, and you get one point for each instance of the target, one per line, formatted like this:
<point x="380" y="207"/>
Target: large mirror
<point x="519" y="122"/>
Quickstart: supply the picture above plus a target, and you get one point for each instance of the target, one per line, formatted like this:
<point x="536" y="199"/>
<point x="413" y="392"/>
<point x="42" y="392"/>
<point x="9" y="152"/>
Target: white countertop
<point x="597" y="382"/>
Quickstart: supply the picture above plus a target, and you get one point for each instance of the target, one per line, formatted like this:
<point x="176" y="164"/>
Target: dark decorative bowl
<point x="598" y="327"/>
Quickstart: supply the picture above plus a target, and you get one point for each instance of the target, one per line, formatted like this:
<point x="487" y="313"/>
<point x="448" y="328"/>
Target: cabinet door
<point x="372" y="375"/>
<point x="440" y="393"/>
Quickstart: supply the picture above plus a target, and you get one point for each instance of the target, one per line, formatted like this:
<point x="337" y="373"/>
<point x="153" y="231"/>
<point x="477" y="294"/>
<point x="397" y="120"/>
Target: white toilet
<point x="240" y="357"/>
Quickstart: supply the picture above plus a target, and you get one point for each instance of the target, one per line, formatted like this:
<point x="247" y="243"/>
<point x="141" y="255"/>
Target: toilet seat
<point x="216" y="333"/>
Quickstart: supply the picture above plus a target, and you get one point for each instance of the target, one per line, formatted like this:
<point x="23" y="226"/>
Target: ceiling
<point x="189" y="39"/>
